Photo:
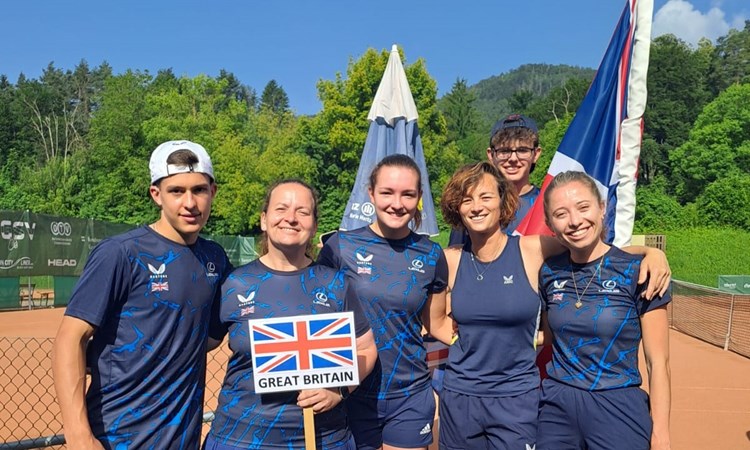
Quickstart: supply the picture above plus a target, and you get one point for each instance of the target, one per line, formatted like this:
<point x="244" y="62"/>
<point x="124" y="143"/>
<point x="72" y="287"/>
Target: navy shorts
<point x="212" y="444"/>
<point x="471" y="422"/>
<point x="572" y="418"/>
<point x="401" y="422"/>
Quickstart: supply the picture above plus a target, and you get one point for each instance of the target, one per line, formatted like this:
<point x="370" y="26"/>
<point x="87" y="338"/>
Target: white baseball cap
<point x="160" y="169"/>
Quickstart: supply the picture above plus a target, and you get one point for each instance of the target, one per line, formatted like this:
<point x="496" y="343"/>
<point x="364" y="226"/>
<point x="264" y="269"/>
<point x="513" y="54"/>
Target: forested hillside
<point x="76" y="140"/>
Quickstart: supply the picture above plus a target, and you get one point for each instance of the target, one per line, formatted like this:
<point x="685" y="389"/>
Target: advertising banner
<point x="735" y="284"/>
<point x="40" y="244"/>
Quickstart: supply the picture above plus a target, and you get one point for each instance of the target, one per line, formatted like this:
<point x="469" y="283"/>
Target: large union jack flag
<point x="303" y="343"/>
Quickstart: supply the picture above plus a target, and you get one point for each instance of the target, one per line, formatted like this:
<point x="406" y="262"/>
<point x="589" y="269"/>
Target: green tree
<point x="677" y="92"/>
<point x="726" y="201"/>
<point x="460" y="114"/>
<point x="115" y="179"/>
<point x="656" y="211"/>
<point x="520" y="101"/>
<point x="274" y="98"/>
<point x="560" y="101"/>
<point x="731" y="60"/>
<point x="718" y="146"/>
<point x="235" y="90"/>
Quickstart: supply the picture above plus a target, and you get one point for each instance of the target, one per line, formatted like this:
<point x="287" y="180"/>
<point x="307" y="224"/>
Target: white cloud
<point x="679" y="17"/>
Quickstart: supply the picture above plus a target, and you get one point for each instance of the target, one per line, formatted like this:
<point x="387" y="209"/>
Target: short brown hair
<point x="468" y="178"/>
<point x="507" y="136"/>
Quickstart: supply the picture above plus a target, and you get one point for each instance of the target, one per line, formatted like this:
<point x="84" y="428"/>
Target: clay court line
<point x="724" y="411"/>
<point x="699" y="388"/>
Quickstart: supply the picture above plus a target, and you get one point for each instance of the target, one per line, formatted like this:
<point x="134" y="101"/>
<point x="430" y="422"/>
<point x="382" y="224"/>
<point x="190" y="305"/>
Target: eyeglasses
<point x="504" y="153"/>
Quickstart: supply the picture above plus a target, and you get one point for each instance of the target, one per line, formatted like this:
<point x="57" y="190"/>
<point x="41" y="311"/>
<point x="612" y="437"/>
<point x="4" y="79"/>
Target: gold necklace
<point x="579" y="303"/>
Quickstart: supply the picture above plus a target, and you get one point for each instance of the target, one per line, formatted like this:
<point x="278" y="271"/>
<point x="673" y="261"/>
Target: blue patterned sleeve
<point x="105" y="282"/>
<point x="645" y="306"/>
<point x="352" y="303"/>
<point x="440" y="283"/>
<point x="330" y="255"/>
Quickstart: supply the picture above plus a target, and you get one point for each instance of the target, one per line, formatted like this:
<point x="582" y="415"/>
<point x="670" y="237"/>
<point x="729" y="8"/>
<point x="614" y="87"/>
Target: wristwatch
<point x="344" y="391"/>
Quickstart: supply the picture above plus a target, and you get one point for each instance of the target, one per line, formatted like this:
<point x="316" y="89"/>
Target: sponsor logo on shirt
<point x="609" y="287"/>
<point x="426" y="429"/>
<point x="417" y="265"/>
<point x="157" y="273"/>
<point x="321" y="299"/>
<point x="364" y="263"/>
<point x="559" y="284"/>
<point x="158" y="278"/>
<point x="246" y="304"/>
<point x="508" y="279"/>
<point x="211" y="268"/>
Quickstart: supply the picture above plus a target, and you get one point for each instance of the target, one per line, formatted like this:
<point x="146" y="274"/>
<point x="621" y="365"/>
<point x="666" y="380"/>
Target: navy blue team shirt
<point x="248" y="420"/>
<point x="392" y="279"/>
<point x="151" y="301"/>
<point x="595" y="347"/>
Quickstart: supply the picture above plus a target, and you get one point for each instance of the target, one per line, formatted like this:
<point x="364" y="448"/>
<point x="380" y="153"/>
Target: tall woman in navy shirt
<point x="283" y="282"/>
<point x="400" y="279"/>
<point x="592" y="398"/>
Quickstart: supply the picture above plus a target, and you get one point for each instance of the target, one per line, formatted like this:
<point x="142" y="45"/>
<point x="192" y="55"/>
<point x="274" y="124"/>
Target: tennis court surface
<point x="710" y="386"/>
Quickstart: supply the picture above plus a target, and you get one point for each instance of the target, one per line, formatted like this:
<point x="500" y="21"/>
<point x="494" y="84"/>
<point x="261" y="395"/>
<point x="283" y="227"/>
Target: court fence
<point x="717" y="317"/>
<point x="30" y="417"/>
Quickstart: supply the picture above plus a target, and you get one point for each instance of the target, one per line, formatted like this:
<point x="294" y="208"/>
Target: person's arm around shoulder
<point x="69" y="374"/>
<point x="654" y="268"/>
<point x="655" y="329"/>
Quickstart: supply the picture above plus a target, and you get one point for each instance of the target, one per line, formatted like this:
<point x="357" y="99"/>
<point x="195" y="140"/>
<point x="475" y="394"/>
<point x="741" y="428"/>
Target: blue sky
<point x="299" y="42"/>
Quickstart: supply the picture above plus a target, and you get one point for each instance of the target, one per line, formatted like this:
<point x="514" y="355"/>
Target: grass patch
<point x="700" y="255"/>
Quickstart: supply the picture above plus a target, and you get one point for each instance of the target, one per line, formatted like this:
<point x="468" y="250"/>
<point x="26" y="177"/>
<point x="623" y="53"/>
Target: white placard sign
<point x="303" y="352"/>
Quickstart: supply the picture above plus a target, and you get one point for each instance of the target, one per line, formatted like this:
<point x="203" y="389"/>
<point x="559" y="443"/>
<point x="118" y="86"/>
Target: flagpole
<point x="309" y="417"/>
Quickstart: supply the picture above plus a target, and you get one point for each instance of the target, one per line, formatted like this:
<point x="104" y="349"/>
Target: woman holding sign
<point x="400" y="278"/>
<point x="283" y="282"/>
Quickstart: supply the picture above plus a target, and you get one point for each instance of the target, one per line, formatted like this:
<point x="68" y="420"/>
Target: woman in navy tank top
<point x="490" y="390"/>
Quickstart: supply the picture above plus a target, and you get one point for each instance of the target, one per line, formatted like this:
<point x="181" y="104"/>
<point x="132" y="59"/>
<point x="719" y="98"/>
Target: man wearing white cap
<point x="140" y="317"/>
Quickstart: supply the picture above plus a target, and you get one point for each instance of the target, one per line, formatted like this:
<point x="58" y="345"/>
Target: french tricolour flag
<point x="604" y="138"/>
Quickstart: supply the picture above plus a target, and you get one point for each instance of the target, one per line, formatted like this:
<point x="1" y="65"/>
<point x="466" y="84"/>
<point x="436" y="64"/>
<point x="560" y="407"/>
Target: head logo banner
<point x="604" y="138"/>
<point x="303" y="352"/>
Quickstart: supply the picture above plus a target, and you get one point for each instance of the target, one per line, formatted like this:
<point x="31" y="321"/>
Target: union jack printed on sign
<point x="303" y="343"/>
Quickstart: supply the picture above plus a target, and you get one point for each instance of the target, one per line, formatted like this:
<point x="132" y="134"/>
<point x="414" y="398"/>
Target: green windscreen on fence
<point x="9" y="292"/>
<point x="63" y="288"/>
<point x="43" y="245"/>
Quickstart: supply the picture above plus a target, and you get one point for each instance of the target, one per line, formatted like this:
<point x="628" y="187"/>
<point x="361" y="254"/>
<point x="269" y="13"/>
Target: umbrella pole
<point x="309" y="428"/>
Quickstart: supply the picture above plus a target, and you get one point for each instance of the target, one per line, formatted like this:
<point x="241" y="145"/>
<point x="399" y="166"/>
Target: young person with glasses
<point x="514" y="150"/>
